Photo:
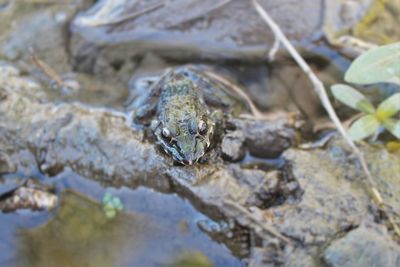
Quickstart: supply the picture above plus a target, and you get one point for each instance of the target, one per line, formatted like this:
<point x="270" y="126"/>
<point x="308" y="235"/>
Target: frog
<point x="185" y="109"/>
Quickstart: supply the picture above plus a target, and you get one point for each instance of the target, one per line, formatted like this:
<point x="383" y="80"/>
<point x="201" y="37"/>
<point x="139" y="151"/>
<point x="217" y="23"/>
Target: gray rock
<point x="333" y="199"/>
<point x="370" y="246"/>
<point x="207" y="29"/>
<point x="320" y="189"/>
<point x="116" y="30"/>
<point x="31" y="194"/>
<point x="232" y="146"/>
<point x="264" y="138"/>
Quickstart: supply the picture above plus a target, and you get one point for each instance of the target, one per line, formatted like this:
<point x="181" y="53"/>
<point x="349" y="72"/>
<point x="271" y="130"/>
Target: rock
<point x="232" y="146"/>
<point x="9" y="185"/>
<point x="119" y="31"/>
<point x="368" y="245"/>
<point x="341" y="15"/>
<point x="269" y="188"/>
<point x="29" y="195"/>
<point x="295" y="257"/>
<point x="266" y="256"/>
<point x="10" y="77"/>
<point x="42" y="31"/>
<point x="207" y="29"/>
<point x="263" y="138"/>
<point x="314" y="198"/>
<point x="333" y="200"/>
<point x="101" y="144"/>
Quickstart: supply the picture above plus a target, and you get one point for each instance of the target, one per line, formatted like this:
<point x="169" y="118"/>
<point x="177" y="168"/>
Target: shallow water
<point x="154" y="229"/>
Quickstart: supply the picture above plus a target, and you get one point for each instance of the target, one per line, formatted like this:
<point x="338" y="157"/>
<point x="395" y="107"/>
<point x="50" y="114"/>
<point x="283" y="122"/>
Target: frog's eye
<point x="166" y="134"/>
<point x="202" y="127"/>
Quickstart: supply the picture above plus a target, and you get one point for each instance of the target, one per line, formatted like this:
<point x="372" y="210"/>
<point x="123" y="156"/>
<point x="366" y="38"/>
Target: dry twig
<point x="254" y="110"/>
<point x="267" y="228"/>
<point x="47" y="70"/>
<point x="321" y="92"/>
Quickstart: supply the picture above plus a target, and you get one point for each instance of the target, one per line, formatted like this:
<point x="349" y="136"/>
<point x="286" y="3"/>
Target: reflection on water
<point x="147" y="233"/>
<point x="80" y="235"/>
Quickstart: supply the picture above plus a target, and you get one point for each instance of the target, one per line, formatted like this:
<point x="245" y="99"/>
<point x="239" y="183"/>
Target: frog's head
<point x="186" y="141"/>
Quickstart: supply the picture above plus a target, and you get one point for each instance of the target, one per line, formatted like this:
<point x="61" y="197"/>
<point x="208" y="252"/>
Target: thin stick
<point x="321" y="92"/>
<point x="267" y="228"/>
<point x="47" y="70"/>
<point x="254" y="110"/>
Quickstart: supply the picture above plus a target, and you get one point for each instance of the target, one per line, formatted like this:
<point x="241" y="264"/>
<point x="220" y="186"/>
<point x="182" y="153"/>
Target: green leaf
<point x="108" y="206"/>
<point x="376" y="65"/>
<point x="107" y="197"/>
<point x="110" y="213"/>
<point x="117" y="203"/>
<point x="352" y="98"/>
<point x="389" y="107"/>
<point x="393" y="126"/>
<point x="363" y="127"/>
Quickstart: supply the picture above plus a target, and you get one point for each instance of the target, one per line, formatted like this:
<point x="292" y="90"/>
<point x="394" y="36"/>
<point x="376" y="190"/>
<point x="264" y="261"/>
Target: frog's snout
<point x="190" y="159"/>
<point x="188" y="162"/>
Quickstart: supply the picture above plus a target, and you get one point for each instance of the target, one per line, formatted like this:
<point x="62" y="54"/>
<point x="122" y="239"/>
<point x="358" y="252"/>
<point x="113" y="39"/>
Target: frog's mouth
<point x="194" y="152"/>
<point x="186" y="148"/>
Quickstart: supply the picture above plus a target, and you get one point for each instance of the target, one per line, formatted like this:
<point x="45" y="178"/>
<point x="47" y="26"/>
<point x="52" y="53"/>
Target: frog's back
<point x="180" y="96"/>
<point x="176" y="86"/>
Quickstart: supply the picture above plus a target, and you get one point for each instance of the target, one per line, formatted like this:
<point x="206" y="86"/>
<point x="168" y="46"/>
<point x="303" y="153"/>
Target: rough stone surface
<point x="207" y="29"/>
<point x="315" y="199"/>
<point x="262" y="138"/>
<point x="232" y="146"/>
<point x="368" y="245"/>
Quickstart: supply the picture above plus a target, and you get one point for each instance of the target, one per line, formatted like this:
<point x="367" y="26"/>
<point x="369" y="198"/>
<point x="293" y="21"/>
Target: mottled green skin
<point x="180" y="110"/>
<point x="180" y="102"/>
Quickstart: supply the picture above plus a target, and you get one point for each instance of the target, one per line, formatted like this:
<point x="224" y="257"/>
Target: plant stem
<point x="321" y="92"/>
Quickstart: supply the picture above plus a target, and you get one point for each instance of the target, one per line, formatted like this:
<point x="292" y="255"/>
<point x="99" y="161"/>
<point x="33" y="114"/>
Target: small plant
<point x="381" y="64"/>
<point x="111" y="205"/>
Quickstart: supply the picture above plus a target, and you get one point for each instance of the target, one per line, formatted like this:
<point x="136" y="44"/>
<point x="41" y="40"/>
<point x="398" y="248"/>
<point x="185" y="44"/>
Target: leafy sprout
<point x="373" y="119"/>
<point x="111" y="205"/>
<point x="381" y="64"/>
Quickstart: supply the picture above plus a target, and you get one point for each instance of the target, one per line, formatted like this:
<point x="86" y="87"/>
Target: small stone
<point x="232" y="146"/>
